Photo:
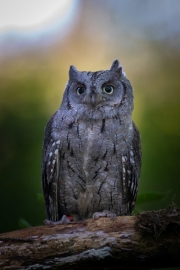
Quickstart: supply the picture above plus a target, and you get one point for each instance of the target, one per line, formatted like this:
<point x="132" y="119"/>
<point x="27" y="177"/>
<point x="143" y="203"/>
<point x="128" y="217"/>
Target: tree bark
<point x="148" y="240"/>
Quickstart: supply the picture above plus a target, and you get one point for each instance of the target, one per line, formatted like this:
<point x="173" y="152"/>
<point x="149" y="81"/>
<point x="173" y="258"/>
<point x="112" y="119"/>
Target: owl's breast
<point x="89" y="149"/>
<point x="91" y="146"/>
<point x="91" y="166"/>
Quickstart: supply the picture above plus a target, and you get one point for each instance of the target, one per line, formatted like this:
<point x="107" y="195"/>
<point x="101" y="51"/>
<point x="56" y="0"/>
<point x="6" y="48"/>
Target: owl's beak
<point x="95" y="98"/>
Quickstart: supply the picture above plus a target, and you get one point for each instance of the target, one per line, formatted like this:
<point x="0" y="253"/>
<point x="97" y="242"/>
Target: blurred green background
<point x="145" y="37"/>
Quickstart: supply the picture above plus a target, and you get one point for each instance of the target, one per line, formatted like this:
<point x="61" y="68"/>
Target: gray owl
<point x="91" y="152"/>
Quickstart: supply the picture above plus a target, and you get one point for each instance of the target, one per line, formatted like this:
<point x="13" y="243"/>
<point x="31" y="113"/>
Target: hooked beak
<point x="95" y="98"/>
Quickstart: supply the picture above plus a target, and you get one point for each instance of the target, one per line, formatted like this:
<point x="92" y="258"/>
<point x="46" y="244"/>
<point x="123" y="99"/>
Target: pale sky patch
<point x="31" y="14"/>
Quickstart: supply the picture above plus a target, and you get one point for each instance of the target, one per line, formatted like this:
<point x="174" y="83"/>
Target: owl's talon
<point x="63" y="220"/>
<point x="104" y="213"/>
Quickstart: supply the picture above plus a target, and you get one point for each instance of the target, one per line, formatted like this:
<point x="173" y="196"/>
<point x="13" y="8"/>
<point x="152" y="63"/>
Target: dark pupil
<point x="80" y="90"/>
<point x="108" y="89"/>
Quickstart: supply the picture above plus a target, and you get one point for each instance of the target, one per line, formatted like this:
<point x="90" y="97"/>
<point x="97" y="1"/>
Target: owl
<point x="92" y="151"/>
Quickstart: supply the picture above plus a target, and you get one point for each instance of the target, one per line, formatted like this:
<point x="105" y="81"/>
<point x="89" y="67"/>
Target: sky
<point x="35" y="15"/>
<point x="38" y="17"/>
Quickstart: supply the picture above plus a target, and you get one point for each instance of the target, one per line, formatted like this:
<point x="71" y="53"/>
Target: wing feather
<point x="50" y="172"/>
<point x="135" y="161"/>
<point x="131" y="165"/>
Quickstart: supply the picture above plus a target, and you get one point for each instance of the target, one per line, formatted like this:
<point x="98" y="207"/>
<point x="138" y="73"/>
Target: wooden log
<point x="148" y="240"/>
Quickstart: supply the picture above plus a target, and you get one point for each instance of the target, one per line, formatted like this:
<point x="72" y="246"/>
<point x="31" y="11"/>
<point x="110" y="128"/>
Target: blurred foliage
<point x="31" y="88"/>
<point x="23" y="223"/>
<point x="21" y="131"/>
<point x="147" y="197"/>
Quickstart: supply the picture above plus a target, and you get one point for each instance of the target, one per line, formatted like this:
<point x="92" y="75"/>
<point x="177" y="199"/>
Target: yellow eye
<point x="108" y="89"/>
<point x="80" y="90"/>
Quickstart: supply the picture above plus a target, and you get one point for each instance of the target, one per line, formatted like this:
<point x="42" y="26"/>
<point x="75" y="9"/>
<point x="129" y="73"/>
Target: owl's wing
<point x="50" y="172"/>
<point x="131" y="171"/>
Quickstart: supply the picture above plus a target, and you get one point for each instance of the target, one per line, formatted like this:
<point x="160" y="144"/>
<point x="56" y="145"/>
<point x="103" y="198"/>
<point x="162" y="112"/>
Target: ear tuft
<point x="116" y="67"/>
<point x="73" y="73"/>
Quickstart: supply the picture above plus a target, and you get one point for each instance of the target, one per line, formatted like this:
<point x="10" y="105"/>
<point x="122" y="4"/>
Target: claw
<point x="63" y="220"/>
<point x="104" y="213"/>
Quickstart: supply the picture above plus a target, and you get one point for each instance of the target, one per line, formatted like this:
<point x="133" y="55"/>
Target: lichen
<point x="158" y="221"/>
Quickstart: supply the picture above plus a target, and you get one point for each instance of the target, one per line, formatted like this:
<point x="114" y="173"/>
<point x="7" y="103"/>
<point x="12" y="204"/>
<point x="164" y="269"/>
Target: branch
<point x="148" y="240"/>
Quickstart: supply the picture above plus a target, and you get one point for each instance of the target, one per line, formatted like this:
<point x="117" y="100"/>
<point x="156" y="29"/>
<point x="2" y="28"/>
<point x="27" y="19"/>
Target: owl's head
<point x="104" y="93"/>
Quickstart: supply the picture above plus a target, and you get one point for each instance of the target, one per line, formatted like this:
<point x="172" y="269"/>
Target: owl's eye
<point x="108" y="89"/>
<point x="80" y="90"/>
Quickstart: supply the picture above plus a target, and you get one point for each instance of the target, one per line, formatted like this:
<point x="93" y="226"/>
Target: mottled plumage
<point x="91" y="151"/>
